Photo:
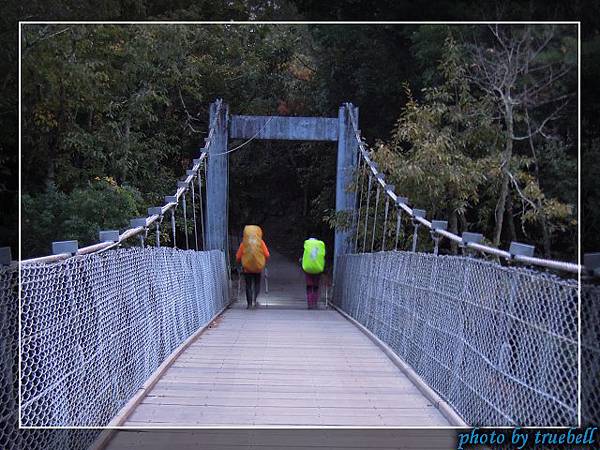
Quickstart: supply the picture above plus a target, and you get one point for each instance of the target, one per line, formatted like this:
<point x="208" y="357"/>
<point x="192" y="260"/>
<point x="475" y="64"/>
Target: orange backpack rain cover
<point x="253" y="258"/>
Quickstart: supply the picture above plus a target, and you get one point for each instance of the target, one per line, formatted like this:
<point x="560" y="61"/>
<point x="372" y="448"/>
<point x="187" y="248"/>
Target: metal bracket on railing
<point x="65" y="247"/>
<point x="109" y="236"/>
<point x="519" y="249"/>
<point x="437" y="225"/>
<point x="467" y="238"/>
<point x="416" y="213"/>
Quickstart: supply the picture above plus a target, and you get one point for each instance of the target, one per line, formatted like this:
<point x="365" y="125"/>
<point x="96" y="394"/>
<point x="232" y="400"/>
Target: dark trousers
<point x="312" y="289"/>
<point x="252" y="287"/>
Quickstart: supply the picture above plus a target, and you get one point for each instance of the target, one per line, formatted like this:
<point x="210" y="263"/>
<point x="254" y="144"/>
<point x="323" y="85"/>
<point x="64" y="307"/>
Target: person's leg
<point x="249" y="282"/>
<point x="313" y="297"/>
<point x="308" y="278"/>
<point x="317" y="280"/>
<point x="256" y="287"/>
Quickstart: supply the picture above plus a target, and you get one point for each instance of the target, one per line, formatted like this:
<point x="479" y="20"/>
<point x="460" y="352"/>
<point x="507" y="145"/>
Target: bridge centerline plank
<point x="295" y="367"/>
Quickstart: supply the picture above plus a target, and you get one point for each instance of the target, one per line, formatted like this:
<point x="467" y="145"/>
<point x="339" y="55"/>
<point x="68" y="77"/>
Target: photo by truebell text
<point x="520" y="438"/>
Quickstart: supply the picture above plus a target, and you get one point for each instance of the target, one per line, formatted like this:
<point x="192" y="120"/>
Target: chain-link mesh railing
<point x="94" y="328"/>
<point x="499" y="344"/>
<point x="9" y="351"/>
<point x="10" y="435"/>
<point x="590" y="354"/>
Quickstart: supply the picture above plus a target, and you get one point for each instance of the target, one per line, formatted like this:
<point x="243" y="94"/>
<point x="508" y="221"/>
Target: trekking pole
<point x="266" y="280"/>
<point x="239" y="283"/>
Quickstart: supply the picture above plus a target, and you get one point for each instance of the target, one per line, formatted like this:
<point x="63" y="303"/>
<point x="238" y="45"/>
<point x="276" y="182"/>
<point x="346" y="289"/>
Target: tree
<point x="442" y="147"/>
<point x="130" y="102"/>
<point x="524" y="68"/>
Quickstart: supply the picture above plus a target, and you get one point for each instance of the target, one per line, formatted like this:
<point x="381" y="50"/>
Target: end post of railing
<point x="5" y="256"/>
<point x="416" y="213"/>
<point x="435" y="226"/>
<point x="591" y="262"/>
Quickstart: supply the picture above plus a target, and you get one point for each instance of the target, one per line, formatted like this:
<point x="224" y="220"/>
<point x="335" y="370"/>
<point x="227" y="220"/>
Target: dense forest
<point x="477" y="124"/>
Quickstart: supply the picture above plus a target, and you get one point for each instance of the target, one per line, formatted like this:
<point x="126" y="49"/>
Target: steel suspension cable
<point x="398" y="226"/>
<point x="194" y="214"/>
<point x="367" y="214"/>
<point x="187" y="242"/>
<point x="206" y="193"/>
<point x="173" y="227"/>
<point x="201" y="207"/>
<point x="387" y="207"/>
<point x="375" y="217"/>
<point x="158" y="222"/>
<point x="360" y="181"/>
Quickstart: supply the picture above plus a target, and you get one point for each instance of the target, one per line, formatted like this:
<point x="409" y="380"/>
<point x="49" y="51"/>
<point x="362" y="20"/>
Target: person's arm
<point x="240" y="252"/>
<point x="265" y="250"/>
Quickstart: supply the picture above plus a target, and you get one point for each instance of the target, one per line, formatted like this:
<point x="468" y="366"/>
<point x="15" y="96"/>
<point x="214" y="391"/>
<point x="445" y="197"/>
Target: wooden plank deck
<point x="286" y="367"/>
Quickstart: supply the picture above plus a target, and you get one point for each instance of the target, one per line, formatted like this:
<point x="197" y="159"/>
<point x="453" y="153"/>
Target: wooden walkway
<point x="283" y="365"/>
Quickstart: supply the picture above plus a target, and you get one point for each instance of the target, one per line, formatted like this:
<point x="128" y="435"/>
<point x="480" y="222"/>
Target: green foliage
<point x="442" y="148"/>
<point x="81" y="214"/>
<point x="129" y="103"/>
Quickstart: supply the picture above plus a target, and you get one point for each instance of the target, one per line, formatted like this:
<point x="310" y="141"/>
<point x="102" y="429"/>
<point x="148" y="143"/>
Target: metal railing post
<point x="399" y="201"/>
<point x="192" y="173"/>
<point x="416" y="224"/>
<point x="367" y="213"/>
<point x="361" y="181"/>
<point x="388" y="188"/>
<point x="437" y="225"/>
<point x="199" y="179"/>
<point x="379" y="176"/>
<point x="140" y="222"/>
<point x="172" y="199"/>
<point x="157" y="211"/>
<point x="183" y="184"/>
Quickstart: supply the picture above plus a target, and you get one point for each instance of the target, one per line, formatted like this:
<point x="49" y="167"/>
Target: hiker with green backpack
<point x="313" y="265"/>
<point x="253" y="254"/>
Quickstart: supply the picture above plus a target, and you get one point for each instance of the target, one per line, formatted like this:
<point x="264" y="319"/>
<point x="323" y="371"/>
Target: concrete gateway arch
<point x="226" y="126"/>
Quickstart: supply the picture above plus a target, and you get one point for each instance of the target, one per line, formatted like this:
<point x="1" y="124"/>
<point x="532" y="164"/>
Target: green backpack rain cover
<point x="313" y="259"/>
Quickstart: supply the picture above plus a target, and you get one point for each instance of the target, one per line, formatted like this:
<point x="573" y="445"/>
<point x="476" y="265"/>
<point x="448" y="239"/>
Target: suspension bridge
<point x="130" y="335"/>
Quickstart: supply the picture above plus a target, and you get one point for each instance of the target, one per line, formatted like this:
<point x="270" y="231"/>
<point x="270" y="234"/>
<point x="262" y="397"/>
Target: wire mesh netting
<point x="94" y="328"/>
<point x="590" y="354"/>
<point x="499" y="344"/>
<point x="10" y="435"/>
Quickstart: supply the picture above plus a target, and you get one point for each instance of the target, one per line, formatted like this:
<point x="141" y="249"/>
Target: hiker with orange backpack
<point x="253" y="254"/>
